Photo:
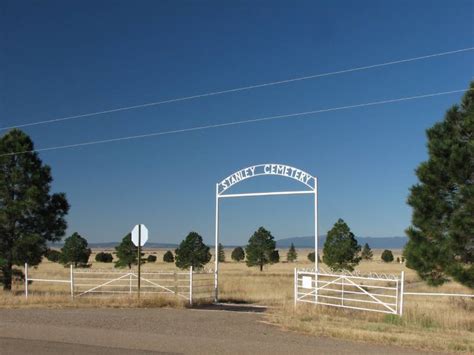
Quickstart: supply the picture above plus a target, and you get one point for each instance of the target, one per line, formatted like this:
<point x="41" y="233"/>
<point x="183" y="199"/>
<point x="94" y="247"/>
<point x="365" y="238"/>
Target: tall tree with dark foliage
<point x="30" y="215"/>
<point x="441" y="237"/>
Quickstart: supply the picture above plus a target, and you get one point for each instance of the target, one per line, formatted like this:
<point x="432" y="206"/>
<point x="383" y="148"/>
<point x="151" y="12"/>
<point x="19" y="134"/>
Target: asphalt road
<point x="162" y="331"/>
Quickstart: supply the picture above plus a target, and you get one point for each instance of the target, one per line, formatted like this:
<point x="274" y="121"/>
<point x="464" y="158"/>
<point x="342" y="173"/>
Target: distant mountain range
<point x="299" y="242"/>
<point x="374" y="242"/>
<point x="112" y="245"/>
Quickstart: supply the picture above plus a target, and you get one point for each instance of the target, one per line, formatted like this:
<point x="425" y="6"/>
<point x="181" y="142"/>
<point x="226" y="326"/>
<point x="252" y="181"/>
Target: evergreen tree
<point x="192" y="252"/>
<point x="387" y="256"/>
<point x="366" y="253"/>
<point x="291" y="256"/>
<point x="127" y="253"/>
<point x="30" y="216"/>
<point x="441" y="239"/>
<point x="259" y="249"/>
<point x="168" y="257"/>
<point x="238" y="254"/>
<point x="221" y="253"/>
<point x="341" y="249"/>
<point x="75" y="251"/>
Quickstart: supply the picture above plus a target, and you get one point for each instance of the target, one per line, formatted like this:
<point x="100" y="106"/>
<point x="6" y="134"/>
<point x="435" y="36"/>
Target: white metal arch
<point x="311" y="183"/>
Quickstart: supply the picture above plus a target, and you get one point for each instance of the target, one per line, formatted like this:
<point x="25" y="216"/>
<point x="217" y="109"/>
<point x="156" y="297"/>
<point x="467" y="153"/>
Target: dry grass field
<point x="434" y="323"/>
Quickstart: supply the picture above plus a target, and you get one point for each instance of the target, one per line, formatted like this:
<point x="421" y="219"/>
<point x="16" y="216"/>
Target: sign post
<point x="139" y="238"/>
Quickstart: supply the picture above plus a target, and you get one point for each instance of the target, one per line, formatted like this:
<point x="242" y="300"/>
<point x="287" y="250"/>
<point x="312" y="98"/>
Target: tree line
<point x="340" y="251"/>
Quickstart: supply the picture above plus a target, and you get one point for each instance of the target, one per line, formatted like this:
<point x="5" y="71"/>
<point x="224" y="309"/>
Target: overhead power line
<point x="243" y="88"/>
<point x="235" y="123"/>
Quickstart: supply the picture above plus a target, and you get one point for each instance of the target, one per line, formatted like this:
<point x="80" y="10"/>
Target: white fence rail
<point x="189" y="285"/>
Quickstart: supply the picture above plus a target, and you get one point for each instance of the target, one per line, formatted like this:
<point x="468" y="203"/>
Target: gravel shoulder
<point x="188" y="331"/>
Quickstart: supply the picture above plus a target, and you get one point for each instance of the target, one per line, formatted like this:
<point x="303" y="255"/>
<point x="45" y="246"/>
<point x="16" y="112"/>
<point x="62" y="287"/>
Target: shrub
<point x="311" y="257"/>
<point x="103" y="257"/>
<point x="275" y="257"/>
<point x="238" y="254"/>
<point x="168" y="257"/>
<point x="151" y="258"/>
<point x="387" y="256"/>
<point x="53" y="255"/>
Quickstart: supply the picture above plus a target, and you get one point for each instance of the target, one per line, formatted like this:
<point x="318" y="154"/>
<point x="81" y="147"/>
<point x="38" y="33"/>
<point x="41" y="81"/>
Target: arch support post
<point x="216" y="251"/>
<point x="316" y="239"/>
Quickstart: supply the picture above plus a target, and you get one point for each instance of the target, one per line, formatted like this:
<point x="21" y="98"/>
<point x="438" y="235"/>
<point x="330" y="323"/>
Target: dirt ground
<point x="143" y="331"/>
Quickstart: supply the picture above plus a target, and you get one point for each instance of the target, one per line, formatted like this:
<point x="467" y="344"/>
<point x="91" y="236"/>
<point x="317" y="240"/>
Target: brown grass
<point x="432" y="323"/>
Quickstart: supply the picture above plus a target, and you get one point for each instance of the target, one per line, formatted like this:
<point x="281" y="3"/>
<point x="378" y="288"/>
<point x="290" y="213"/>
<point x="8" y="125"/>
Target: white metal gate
<point x="189" y="285"/>
<point x="119" y="282"/>
<point x="373" y="292"/>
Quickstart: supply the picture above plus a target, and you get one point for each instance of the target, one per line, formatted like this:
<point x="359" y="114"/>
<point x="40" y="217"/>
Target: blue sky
<point x="62" y="58"/>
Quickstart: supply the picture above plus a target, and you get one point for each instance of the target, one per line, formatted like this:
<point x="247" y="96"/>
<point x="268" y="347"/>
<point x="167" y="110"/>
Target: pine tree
<point x="291" y="256"/>
<point x="75" y="251"/>
<point x="221" y="253"/>
<point x="341" y="249"/>
<point x="259" y="249"/>
<point x="366" y="253"/>
<point x="238" y="254"/>
<point x="387" y="256"/>
<point x="192" y="252"/>
<point x="441" y="239"/>
<point x="30" y="216"/>
<point x="168" y="257"/>
<point x="127" y="252"/>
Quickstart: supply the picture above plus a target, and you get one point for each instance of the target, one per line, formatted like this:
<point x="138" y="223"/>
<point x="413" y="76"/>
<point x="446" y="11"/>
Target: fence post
<point x="316" y="284"/>
<point x="342" y="298"/>
<point x="295" y="291"/>
<point x="72" y="281"/>
<point x="176" y="290"/>
<point x="130" y="283"/>
<point x="191" y="285"/>
<point x="26" y="280"/>
<point x="402" y="282"/>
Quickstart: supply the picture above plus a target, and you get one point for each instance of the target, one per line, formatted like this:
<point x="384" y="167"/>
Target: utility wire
<point x="234" y="123"/>
<point x="244" y="88"/>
